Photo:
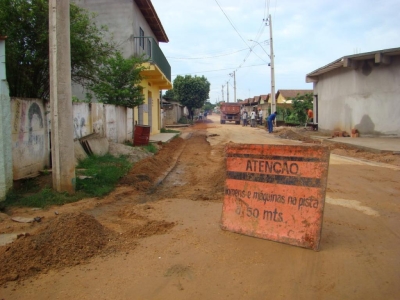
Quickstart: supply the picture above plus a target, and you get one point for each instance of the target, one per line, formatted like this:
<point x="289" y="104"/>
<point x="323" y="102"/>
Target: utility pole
<point x="6" y="170"/>
<point x="234" y="85"/>
<point x="227" y="91"/>
<point x="222" y="93"/>
<point x="62" y="135"/>
<point x="273" y="104"/>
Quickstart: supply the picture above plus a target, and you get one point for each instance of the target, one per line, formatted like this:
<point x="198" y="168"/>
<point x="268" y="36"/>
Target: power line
<point x="205" y="57"/>
<point x="219" y="70"/>
<point x="232" y="24"/>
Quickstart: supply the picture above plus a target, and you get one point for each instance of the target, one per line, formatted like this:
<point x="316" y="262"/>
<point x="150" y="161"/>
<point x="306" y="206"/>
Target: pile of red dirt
<point x="69" y="240"/>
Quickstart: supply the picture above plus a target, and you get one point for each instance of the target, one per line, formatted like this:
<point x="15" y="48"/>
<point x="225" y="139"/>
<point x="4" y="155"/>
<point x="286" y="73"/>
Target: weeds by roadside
<point x="96" y="176"/>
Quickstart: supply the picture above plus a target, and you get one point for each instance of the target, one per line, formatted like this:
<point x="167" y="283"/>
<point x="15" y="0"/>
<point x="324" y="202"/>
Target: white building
<point x="360" y="91"/>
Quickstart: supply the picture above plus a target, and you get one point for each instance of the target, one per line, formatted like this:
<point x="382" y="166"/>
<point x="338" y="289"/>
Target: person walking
<point x="270" y="120"/>
<point x="244" y="118"/>
<point x="260" y="116"/>
<point x="253" y="118"/>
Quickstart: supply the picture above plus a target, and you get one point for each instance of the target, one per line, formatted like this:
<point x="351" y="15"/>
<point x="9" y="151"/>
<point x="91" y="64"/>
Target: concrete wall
<point x="82" y="120"/>
<point x="366" y="98"/>
<point x="173" y="114"/>
<point x="29" y="122"/>
<point x="30" y="137"/>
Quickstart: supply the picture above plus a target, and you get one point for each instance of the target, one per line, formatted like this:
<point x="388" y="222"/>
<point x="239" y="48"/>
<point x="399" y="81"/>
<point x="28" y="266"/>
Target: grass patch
<point x="164" y="130"/>
<point x="150" y="148"/>
<point x="101" y="175"/>
<point x="103" y="172"/>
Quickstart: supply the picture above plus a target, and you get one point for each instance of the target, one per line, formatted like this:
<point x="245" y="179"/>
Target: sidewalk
<point x="162" y="137"/>
<point x="373" y="144"/>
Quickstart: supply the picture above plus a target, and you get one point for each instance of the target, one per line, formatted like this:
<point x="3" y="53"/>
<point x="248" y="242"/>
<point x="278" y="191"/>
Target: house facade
<point x="135" y="26"/>
<point x="283" y="97"/>
<point x="360" y="91"/>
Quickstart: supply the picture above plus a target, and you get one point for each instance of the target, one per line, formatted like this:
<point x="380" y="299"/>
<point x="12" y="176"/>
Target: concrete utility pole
<point x="273" y="104"/>
<point x="6" y="174"/>
<point x="227" y="91"/>
<point x="62" y="135"/>
<point x="222" y="93"/>
<point x="234" y="85"/>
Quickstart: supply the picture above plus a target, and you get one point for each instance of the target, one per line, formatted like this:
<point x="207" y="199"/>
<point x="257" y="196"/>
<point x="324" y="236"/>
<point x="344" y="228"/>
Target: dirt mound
<point x="145" y="172"/>
<point x="66" y="241"/>
<point x="293" y="135"/>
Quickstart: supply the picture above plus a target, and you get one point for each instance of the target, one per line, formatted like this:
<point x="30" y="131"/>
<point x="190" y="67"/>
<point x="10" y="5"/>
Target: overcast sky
<point x="211" y="38"/>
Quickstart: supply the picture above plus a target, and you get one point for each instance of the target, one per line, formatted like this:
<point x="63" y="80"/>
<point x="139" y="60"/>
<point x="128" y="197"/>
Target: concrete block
<point x="80" y="153"/>
<point x="98" y="146"/>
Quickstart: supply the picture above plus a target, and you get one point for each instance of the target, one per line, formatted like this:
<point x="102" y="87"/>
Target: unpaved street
<point x="194" y="259"/>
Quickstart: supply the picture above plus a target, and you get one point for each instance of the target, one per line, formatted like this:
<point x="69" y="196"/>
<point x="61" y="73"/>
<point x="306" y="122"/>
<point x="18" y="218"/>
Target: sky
<point x="211" y="38"/>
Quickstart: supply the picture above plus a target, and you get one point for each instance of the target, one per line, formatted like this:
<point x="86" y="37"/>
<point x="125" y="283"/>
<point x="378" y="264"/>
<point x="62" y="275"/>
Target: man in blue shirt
<point x="270" y="120"/>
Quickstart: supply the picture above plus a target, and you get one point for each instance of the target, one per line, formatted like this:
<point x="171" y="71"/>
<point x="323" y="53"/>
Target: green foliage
<point x="117" y="81"/>
<point x="151" y="148"/>
<point x="169" y="95"/>
<point x="185" y="120"/>
<point x="299" y="104"/>
<point x="35" y="197"/>
<point x="208" y="106"/>
<point x="163" y="130"/>
<point x="26" y="24"/>
<point x="103" y="172"/>
<point x="191" y="91"/>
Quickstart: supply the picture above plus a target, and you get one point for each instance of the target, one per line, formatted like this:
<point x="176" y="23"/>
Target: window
<point x="141" y="40"/>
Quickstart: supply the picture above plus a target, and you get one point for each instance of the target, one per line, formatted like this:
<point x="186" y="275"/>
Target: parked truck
<point x="230" y="112"/>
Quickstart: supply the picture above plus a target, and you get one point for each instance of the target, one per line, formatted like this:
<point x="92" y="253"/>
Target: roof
<point x="379" y="56"/>
<point x="149" y="13"/>
<point x="265" y="98"/>
<point x="292" y="93"/>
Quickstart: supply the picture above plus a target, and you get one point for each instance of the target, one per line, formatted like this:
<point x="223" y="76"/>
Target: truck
<point x="230" y="112"/>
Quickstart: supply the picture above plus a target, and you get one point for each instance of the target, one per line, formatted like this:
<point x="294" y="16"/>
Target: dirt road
<point x="192" y="258"/>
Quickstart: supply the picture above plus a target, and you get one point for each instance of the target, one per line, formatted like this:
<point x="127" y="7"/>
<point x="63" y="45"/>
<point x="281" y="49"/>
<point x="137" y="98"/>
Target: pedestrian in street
<point x="253" y="118"/>
<point x="260" y="116"/>
<point x="244" y="118"/>
<point x="270" y="121"/>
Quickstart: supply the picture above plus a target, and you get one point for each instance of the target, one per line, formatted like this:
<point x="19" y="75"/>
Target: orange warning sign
<point x="276" y="192"/>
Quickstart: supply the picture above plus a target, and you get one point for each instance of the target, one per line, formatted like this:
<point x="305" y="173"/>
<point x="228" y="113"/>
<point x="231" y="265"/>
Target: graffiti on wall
<point x="79" y="127"/>
<point x="29" y="137"/>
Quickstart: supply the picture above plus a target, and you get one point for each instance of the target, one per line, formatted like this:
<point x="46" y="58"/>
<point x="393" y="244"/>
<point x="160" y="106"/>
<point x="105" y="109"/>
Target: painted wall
<point x="155" y="107"/>
<point x="82" y="119"/>
<point x="30" y="137"/>
<point x="367" y="98"/>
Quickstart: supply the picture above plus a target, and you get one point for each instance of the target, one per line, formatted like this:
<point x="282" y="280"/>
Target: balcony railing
<point x="148" y="47"/>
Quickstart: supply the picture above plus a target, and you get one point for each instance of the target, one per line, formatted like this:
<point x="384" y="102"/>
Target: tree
<point x="117" y="81"/>
<point x="208" y="106"/>
<point x="27" y="47"/>
<point x="169" y="95"/>
<point x="299" y="104"/>
<point x="191" y="91"/>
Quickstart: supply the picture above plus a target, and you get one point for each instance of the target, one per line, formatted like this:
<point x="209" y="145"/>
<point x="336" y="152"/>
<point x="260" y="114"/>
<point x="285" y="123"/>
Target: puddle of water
<point x="353" y="204"/>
